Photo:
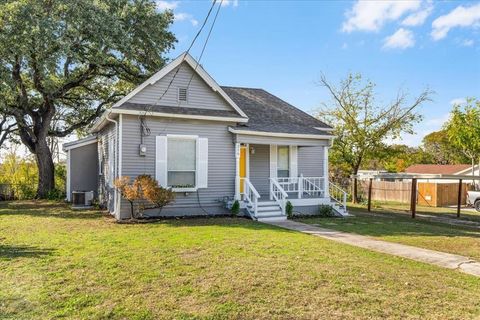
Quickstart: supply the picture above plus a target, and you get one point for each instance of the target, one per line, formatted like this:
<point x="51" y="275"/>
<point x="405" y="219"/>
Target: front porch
<point x="270" y="175"/>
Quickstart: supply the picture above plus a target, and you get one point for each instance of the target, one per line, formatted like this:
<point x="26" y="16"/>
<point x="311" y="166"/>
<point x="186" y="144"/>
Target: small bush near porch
<point x="56" y="262"/>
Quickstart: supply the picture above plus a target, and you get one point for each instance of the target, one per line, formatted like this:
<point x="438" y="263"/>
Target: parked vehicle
<point x="473" y="199"/>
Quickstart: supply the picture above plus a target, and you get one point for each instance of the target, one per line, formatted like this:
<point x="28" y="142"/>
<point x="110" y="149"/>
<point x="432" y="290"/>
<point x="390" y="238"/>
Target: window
<point x="181" y="162"/>
<point x="182" y="94"/>
<point x="283" y="161"/>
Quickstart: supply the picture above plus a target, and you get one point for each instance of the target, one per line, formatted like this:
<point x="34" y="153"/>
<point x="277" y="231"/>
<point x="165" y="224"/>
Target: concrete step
<point x="269" y="213"/>
<point x="272" y="218"/>
<point x="267" y="203"/>
<point x="268" y="208"/>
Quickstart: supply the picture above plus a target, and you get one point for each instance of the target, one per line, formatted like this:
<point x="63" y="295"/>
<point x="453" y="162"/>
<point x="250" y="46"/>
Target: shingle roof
<point x="268" y="113"/>
<point x="437" y="168"/>
<point x="179" y="110"/>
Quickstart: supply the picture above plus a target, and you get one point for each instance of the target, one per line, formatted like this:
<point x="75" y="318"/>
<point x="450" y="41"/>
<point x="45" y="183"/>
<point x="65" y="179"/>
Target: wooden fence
<point x="428" y="193"/>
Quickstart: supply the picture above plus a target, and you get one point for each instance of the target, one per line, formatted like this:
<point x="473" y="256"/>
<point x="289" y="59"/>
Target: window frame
<point x="288" y="161"/>
<point x="184" y="137"/>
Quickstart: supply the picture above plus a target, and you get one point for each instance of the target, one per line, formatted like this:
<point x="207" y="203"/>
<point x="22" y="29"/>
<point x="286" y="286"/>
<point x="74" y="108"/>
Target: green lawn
<point x="400" y="228"/>
<point x="56" y="263"/>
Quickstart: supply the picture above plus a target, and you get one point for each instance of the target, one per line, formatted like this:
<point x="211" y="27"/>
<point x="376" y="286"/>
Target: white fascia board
<point x="324" y="129"/>
<point x="180" y="116"/>
<point x="465" y="170"/>
<point x="170" y="67"/>
<point x="281" y="135"/>
<point x="78" y="145"/>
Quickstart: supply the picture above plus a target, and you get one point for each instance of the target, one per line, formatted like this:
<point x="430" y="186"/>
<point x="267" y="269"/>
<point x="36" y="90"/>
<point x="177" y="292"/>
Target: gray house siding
<point x="84" y="168"/>
<point x="260" y="169"/>
<point x="200" y="95"/>
<point x="221" y="162"/>
<point x="311" y="161"/>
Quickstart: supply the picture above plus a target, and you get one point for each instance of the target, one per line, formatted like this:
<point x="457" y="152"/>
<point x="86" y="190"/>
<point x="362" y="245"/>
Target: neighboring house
<point x="442" y="170"/>
<point x="210" y="144"/>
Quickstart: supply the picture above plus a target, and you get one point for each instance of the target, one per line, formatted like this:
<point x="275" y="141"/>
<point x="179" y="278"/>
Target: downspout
<point x="115" y="169"/>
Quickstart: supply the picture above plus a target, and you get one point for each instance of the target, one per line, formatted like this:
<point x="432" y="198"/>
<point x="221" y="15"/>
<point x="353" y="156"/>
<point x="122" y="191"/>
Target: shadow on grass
<point x="391" y="224"/>
<point x="12" y="252"/>
<point x="46" y="209"/>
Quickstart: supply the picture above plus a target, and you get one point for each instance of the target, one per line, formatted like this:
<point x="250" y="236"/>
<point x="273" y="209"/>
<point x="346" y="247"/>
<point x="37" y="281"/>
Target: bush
<point x="289" y="210"/>
<point x="235" y="208"/>
<point x="56" y="195"/>
<point x="325" y="211"/>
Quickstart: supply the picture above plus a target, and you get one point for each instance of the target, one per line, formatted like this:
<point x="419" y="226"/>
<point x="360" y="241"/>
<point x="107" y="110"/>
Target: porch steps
<point x="269" y="211"/>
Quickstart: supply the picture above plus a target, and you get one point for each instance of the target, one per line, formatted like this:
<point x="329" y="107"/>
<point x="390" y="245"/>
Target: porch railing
<point x="313" y="186"/>
<point x="278" y="194"/>
<point x="338" y="195"/>
<point x="251" y="196"/>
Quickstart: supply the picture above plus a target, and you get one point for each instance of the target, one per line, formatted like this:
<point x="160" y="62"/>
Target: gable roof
<point x="187" y="58"/>
<point x="437" y="168"/>
<point x="268" y="113"/>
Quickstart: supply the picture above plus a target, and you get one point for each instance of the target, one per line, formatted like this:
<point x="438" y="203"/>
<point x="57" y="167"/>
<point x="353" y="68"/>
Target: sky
<point x="284" y="47"/>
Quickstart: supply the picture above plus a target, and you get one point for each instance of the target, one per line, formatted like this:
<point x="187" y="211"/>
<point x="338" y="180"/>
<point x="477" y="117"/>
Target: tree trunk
<point x="46" y="169"/>
<point x="355" y="186"/>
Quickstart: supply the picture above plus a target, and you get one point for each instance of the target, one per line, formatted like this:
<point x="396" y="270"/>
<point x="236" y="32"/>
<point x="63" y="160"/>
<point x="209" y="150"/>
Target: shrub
<point x="235" y="208"/>
<point x="325" y="210"/>
<point x="289" y="210"/>
<point x="153" y="193"/>
<point x="129" y="190"/>
<point x="56" y="195"/>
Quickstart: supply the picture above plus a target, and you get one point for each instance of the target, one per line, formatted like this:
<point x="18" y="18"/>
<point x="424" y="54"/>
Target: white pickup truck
<point x="473" y="199"/>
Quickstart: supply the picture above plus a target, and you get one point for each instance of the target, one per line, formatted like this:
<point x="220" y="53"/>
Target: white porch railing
<point x="313" y="186"/>
<point x="250" y="196"/>
<point x="338" y="195"/>
<point x="278" y="194"/>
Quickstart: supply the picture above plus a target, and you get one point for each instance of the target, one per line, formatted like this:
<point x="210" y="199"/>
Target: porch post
<point x="300" y="186"/>
<point x="325" y="172"/>
<point x="237" y="171"/>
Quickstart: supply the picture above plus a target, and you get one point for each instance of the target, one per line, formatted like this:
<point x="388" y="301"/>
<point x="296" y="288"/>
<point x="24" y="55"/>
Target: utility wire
<point x="205" y="44"/>
<point x="147" y="110"/>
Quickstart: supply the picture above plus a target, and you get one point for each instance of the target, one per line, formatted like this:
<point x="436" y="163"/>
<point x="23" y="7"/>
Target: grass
<point x="397" y="227"/>
<point x="404" y="208"/>
<point x="58" y="263"/>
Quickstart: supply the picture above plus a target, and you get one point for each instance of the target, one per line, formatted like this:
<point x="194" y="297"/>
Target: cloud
<point x="458" y="101"/>
<point x="233" y="3"/>
<point x="345" y="46"/>
<point x="368" y="15"/>
<point x="166" y="5"/>
<point x="401" y="39"/>
<point x="459" y="17"/>
<point x="467" y="42"/>
<point x="182" y="16"/>
<point x="419" y="17"/>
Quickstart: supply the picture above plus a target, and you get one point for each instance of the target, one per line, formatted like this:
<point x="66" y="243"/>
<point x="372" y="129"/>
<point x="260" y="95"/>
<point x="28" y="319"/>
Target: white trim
<point x="69" y="179"/>
<point x="309" y="201"/>
<point x="278" y="134"/>
<point x="325" y="172"/>
<point x="324" y="129"/>
<point x="185" y="137"/>
<point x="99" y="123"/>
<point x="237" y="171"/>
<point x="78" y="145"/>
<point x="182" y="136"/>
<point x="247" y="159"/>
<point x="468" y="169"/>
<point x="181" y="116"/>
<point x="293" y="161"/>
<point x="120" y="145"/>
<point x="170" y="67"/>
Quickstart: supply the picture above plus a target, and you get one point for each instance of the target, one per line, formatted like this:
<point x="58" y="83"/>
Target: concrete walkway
<point x="441" y="259"/>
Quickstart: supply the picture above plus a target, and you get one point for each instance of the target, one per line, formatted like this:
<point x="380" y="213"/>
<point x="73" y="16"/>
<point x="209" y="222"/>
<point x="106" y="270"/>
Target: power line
<point x="148" y="109"/>
<point x="205" y="44"/>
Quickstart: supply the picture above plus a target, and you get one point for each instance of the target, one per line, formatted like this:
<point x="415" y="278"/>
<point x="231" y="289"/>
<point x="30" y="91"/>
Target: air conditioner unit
<point x="82" y="198"/>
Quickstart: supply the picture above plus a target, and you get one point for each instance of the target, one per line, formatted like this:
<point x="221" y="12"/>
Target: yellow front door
<point x="243" y="166"/>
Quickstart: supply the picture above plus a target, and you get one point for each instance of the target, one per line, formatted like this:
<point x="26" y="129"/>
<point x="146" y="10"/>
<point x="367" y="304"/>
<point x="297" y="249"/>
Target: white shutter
<point x="161" y="160"/>
<point x="293" y="161"/>
<point x="273" y="161"/>
<point x="202" y="163"/>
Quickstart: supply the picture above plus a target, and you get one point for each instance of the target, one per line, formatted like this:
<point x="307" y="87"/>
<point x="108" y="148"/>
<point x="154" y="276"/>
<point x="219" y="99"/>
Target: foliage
<point x="438" y="146"/>
<point x="463" y="129"/>
<point x="19" y="175"/>
<point x="289" y="210"/>
<point x="62" y="62"/>
<point x="361" y="124"/>
<point x="235" y="208"/>
<point x="153" y="193"/>
<point x="397" y="157"/>
<point x="146" y="188"/>
<point x="324" y="210"/>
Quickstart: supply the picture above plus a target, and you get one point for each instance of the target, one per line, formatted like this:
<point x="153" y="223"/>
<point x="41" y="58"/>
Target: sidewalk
<point x="441" y="259"/>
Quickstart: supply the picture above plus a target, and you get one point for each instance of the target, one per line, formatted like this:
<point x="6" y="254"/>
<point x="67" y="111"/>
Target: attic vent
<point x="182" y="94"/>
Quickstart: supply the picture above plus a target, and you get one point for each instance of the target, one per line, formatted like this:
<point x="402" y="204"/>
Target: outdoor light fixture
<point x="252" y="150"/>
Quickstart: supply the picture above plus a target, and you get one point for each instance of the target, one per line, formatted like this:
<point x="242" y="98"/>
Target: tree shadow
<point x="390" y="224"/>
<point x="39" y="208"/>
<point x="13" y="251"/>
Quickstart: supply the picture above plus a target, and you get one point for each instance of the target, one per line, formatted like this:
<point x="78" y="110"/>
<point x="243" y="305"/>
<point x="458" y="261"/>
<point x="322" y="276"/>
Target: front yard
<point x="56" y="263"/>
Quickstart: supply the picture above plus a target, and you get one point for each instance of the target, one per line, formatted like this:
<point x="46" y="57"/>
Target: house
<point x="210" y="144"/>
